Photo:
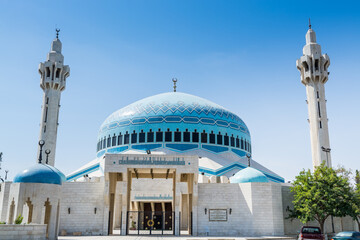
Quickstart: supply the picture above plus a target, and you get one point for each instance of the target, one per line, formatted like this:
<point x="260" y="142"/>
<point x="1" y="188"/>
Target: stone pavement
<point x="168" y="238"/>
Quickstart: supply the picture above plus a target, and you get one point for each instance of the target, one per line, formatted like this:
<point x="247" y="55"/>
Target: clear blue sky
<point x="239" y="54"/>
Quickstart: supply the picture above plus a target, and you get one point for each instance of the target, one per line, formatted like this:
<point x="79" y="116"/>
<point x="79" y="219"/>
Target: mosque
<point x="168" y="164"/>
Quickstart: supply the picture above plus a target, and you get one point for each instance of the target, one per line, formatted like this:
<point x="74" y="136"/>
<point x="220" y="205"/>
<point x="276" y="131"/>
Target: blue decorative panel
<point x="216" y="149"/>
<point x="139" y="120"/>
<point x="207" y="121"/>
<point x="173" y="119"/>
<point x="117" y="149"/>
<point x="146" y="146"/>
<point x="191" y="119"/>
<point x="99" y="154"/>
<point x="182" y="147"/>
<point x="239" y="152"/>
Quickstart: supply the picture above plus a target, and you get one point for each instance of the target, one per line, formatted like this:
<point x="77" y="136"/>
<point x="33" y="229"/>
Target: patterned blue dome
<point x="40" y="173"/>
<point x="249" y="174"/>
<point x="176" y="121"/>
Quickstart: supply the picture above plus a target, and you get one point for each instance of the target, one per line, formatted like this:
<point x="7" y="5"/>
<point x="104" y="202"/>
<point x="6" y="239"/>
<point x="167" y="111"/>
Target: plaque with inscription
<point x="217" y="214"/>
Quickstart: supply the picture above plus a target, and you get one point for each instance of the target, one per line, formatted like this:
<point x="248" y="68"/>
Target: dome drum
<point x="174" y="119"/>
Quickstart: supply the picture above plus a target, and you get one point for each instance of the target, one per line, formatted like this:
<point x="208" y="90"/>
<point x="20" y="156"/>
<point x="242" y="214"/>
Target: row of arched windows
<point x="177" y="136"/>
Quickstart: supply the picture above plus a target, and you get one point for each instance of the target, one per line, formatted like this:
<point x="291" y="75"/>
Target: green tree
<point x="321" y="194"/>
<point x="355" y="213"/>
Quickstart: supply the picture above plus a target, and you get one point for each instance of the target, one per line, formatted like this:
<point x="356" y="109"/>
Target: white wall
<point x="82" y="198"/>
<point x="4" y="199"/>
<point x="256" y="209"/>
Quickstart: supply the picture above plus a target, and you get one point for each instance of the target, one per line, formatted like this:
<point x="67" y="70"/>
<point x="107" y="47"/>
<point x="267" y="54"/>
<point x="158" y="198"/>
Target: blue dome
<point x="165" y="120"/>
<point x="40" y="173"/>
<point x="249" y="174"/>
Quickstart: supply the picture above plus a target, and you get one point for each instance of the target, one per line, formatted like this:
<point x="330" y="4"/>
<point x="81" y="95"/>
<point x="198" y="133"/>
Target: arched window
<point x="203" y="137"/>
<point x="245" y="144"/>
<point x="168" y="135"/>
<point x="150" y="136"/>
<point x="141" y="136"/>
<point x="133" y="137"/>
<point x="186" y="136"/>
<point x="226" y="140"/>
<point x="113" y="140"/>
<point x="219" y="139"/>
<point x="195" y="136"/>
<point x="232" y="140"/>
<point x="159" y="136"/>
<point x="242" y="143"/>
<point x="177" y="136"/>
<point x="212" y="137"/>
<point x="120" y="139"/>
<point x="104" y="142"/>
<point x="108" y="141"/>
<point x="237" y="142"/>
<point x="126" y="137"/>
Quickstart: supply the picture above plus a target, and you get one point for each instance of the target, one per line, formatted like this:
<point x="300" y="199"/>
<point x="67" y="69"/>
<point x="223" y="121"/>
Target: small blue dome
<point x="40" y="173"/>
<point x="248" y="174"/>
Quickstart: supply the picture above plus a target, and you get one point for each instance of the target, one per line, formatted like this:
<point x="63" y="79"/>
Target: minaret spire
<point x="174" y="81"/>
<point x="53" y="74"/>
<point x="57" y="32"/>
<point x="313" y="67"/>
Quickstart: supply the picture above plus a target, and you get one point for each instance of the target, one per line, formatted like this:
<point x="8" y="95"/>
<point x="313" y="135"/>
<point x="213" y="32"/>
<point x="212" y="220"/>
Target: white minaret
<point x="313" y="68"/>
<point x="53" y="80"/>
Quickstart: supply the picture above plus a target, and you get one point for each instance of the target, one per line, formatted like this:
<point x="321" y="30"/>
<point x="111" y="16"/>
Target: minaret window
<point x="177" y="136"/>
<point x="319" y="109"/>
<point x="134" y="137"/>
<point x="237" y="142"/>
<point x="126" y="137"/>
<point x="195" y="136"/>
<point x="46" y="113"/>
<point x="120" y="139"/>
<point x="57" y="72"/>
<point x="320" y="125"/>
<point x="306" y="66"/>
<point x="226" y="140"/>
<point x="47" y="70"/>
<point x="204" y="137"/>
<point x="186" y="136"/>
<point x="219" y="139"/>
<point x="212" y="137"/>
<point x="150" y="136"/>
<point x="142" y="137"/>
<point x="159" y="136"/>
<point x="108" y="141"/>
<point x="168" y="135"/>
<point x="53" y="72"/>
<point x="232" y="141"/>
<point x="316" y="64"/>
<point x="113" y="141"/>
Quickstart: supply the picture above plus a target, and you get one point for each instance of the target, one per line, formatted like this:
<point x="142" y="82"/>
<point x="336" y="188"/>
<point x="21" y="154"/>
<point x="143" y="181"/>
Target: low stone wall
<point x="23" y="232"/>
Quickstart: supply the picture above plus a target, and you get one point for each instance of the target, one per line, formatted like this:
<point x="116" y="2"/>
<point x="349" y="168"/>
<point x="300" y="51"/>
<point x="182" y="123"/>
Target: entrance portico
<point x="176" y="186"/>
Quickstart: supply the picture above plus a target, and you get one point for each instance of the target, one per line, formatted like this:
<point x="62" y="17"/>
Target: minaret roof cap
<point x="310" y="36"/>
<point x="56" y="45"/>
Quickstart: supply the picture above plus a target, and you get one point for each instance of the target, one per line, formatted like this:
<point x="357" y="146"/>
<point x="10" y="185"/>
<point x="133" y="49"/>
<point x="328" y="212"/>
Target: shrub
<point x="19" y="219"/>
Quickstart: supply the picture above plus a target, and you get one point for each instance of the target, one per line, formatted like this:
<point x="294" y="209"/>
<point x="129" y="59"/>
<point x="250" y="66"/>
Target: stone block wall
<point x="256" y="209"/>
<point x="4" y="200"/>
<point x="82" y="198"/>
<point x="23" y="232"/>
